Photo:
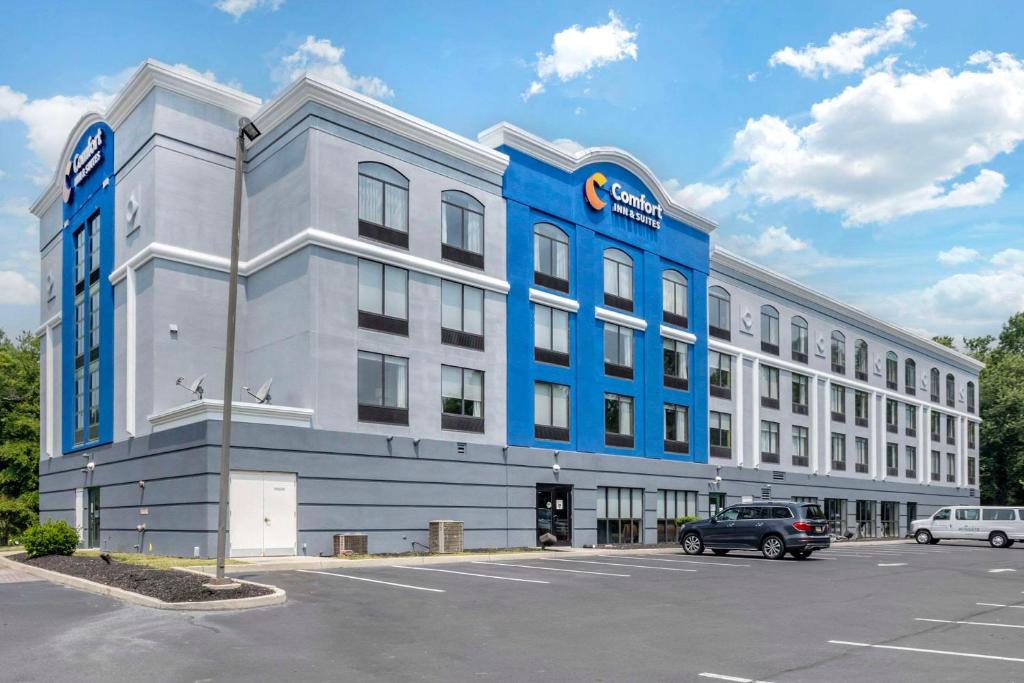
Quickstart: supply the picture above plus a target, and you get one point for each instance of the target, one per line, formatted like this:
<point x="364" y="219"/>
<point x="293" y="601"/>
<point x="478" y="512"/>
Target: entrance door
<point x="911" y="514"/>
<point x="263" y="514"/>
<point x="554" y="512"/>
<point x="92" y="518"/>
<point x="716" y="503"/>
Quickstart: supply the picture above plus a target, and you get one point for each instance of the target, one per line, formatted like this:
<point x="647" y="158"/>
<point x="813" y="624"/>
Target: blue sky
<point x="867" y="149"/>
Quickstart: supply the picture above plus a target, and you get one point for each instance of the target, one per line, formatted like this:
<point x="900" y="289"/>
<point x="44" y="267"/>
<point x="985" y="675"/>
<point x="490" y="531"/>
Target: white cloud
<point x="568" y="145"/>
<point x="698" y="196"/>
<point x="777" y="240"/>
<point x="957" y="256"/>
<point x="1012" y="259"/>
<point x="775" y="247"/>
<point x="237" y="8"/>
<point x="15" y="288"/>
<point x="893" y="145"/>
<point x="321" y="59"/>
<point x="576" y="51"/>
<point x="847" y="52"/>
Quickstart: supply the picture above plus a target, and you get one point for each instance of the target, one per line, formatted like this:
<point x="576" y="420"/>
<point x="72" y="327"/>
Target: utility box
<point x="446" y="536"/>
<point x="350" y="544"/>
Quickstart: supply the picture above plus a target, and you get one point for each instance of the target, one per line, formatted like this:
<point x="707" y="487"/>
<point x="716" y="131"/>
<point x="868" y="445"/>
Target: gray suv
<point x="773" y="527"/>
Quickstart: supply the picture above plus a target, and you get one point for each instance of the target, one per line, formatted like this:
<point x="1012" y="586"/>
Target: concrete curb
<point x="277" y="597"/>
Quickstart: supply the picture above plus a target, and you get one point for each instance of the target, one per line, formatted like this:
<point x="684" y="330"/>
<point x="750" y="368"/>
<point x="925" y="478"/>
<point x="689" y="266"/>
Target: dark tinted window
<point x="812" y="512"/>
<point x="728" y="515"/>
<point x="781" y="513"/>
<point x="997" y="515"/>
<point x="942" y="514"/>
<point x="751" y="513"/>
<point x="968" y="514"/>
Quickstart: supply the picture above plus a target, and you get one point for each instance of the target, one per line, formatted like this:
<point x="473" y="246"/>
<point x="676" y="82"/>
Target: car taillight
<point x="802" y="526"/>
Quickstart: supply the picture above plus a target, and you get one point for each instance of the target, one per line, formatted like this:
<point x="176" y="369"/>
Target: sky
<point x="868" y="150"/>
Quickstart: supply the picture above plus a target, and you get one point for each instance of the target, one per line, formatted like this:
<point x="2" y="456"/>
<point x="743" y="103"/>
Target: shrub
<point x="686" y="519"/>
<point x="15" y="517"/>
<point x="55" y="537"/>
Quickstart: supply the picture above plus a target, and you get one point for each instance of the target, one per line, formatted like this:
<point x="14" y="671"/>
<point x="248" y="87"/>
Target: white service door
<point x="262" y="514"/>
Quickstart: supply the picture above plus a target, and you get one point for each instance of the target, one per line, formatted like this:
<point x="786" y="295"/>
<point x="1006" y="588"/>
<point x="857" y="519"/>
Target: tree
<point x="945" y="340"/>
<point x="1001" y="403"/>
<point x="19" y="433"/>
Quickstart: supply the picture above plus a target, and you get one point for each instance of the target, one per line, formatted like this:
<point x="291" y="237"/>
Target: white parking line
<point x="929" y="652"/>
<point x="666" y="559"/>
<point x="363" y="578"/>
<point x="551" y="569"/>
<point x="996" y="604"/>
<point x="969" y="623"/>
<point x="619" y="564"/>
<point x="482" y="576"/>
<point x="1000" y="571"/>
<point x="734" y="679"/>
<point x="892" y="564"/>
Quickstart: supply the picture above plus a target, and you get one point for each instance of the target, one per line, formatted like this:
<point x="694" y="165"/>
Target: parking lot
<point x="856" y="612"/>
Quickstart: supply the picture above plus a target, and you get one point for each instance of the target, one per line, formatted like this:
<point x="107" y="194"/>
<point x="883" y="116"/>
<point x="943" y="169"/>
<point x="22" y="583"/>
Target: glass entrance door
<point x="93" y="518"/>
<point x="554" y="513"/>
<point x="716" y="502"/>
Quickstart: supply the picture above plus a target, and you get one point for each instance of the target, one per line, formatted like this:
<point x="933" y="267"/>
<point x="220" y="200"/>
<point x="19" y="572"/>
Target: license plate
<point x="817" y="529"/>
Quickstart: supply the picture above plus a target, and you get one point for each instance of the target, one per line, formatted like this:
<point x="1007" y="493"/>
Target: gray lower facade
<point x="392" y="489"/>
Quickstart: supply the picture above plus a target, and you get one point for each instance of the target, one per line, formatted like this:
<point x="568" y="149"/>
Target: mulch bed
<point x="169" y="585"/>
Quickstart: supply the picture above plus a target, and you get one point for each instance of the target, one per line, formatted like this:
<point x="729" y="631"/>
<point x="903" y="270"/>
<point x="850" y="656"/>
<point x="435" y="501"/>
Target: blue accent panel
<point x="536" y="192"/>
<point x="83" y="201"/>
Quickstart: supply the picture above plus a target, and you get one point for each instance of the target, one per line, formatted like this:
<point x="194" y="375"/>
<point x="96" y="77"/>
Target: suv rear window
<point x="997" y="515"/>
<point x="812" y="512"/>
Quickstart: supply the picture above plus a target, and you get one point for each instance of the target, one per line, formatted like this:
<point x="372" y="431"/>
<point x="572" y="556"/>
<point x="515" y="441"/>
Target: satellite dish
<point x="262" y="395"/>
<point x="196" y="387"/>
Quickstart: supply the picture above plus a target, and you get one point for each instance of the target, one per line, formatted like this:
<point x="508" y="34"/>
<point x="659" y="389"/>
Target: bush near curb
<point x="686" y="519"/>
<point x="55" y="537"/>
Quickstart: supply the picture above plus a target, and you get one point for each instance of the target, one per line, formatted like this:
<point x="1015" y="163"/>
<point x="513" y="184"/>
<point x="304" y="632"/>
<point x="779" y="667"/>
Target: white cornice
<point x="49" y="324"/>
<point x="617" y="318"/>
<point x="149" y="75"/>
<point x="314" y="237"/>
<point x="212" y="409"/>
<point x="507" y="135"/>
<point x="311" y="89"/>
<point x="728" y="259"/>
<point x="538" y="296"/>
<point x="678" y="335"/>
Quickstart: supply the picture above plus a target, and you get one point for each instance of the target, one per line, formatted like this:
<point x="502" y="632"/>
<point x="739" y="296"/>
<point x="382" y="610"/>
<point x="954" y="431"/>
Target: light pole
<point x="246" y="130"/>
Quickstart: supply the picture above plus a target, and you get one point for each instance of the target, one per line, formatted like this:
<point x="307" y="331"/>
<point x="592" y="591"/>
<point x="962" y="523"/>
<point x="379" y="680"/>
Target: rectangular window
<point x="720" y="434"/>
<point x="551" y="257"/>
<point x="675" y="363"/>
<point x="551" y="335"/>
<point x="860" y="408"/>
<point x="892" y="459"/>
<point x="935" y="423"/>
<point x="721" y="374"/>
<point x="892" y="416"/>
<point x="800" y="393"/>
<point x="911" y="415"/>
<point x="972" y="435"/>
<point x="835" y="512"/>
<point x="551" y="411"/>
<point x="911" y="453"/>
<point x="674" y="306"/>
<point x="865" y="518"/>
<point x="462" y="225"/>
<point x="971" y="479"/>
<point x="950" y="467"/>
<point x="861" y="445"/>
<point x="462" y="315"/>
<point x="618" y="351"/>
<point x="769" y="441"/>
<point x="618" y="420"/>
<point x="677" y="428"/>
<point x="769" y="386"/>
<point x="383" y="297"/>
<point x="383" y="203"/>
<point x="950" y="430"/>
<point x="801" y="447"/>
<point x="86" y="386"/>
<point x="838" y="402"/>
<point x="383" y="388"/>
<point x="620" y="515"/>
<point x="671" y="506"/>
<point x="838" y="451"/>
<point x="462" y="399"/>
<point x="936" y="471"/>
<point x="618" y="280"/>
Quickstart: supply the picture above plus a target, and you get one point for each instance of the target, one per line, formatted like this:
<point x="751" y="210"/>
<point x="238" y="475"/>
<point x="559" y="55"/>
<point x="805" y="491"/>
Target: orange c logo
<point x="590" y="191"/>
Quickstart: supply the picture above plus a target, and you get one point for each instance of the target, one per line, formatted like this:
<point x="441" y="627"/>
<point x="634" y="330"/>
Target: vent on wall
<point x="766" y="492"/>
<point x="972" y="493"/>
<point x="779" y="475"/>
<point x="460" y="447"/>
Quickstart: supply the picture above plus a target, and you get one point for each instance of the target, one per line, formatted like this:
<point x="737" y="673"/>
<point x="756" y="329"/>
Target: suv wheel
<point x="998" y="539"/>
<point x="801" y="554"/>
<point x="923" y="536"/>
<point x="773" y="547"/>
<point x="692" y="545"/>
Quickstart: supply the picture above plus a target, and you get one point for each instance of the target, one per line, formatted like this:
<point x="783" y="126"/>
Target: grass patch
<point x="477" y="551"/>
<point x="8" y="548"/>
<point x="155" y="561"/>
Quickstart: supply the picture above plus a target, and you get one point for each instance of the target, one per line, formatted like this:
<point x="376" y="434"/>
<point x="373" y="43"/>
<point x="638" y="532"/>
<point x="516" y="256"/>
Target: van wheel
<point x="773" y="547"/>
<point x="692" y="545"/>
<point x="997" y="539"/>
<point x="720" y="551"/>
<point x="923" y="536"/>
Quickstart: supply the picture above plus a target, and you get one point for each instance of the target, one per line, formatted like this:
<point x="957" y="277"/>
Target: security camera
<point x="718" y="479"/>
<point x="90" y="465"/>
<point x="556" y="468"/>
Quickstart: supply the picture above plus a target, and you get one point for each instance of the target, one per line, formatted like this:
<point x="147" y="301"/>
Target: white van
<point x="1000" y="526"/>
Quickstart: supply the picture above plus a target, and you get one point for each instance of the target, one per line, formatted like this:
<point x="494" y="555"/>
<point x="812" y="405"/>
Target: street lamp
<point x="247" y="130"/>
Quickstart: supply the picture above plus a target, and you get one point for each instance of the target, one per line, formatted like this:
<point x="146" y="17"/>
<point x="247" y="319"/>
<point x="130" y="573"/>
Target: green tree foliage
<point x="945" y="340"/>
<point x="19" y="434"/>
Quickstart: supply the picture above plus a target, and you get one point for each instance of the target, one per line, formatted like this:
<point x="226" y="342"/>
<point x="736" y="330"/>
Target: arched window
<point x="618" y="279"/>
<point x="892" y="366"/>
<point x="910" y="376"/>
<point x="799" y="342"/>
<point x="383" y="204"/>
<point x="550" y="257"/>
<point x="674" y="298"/>
<point x="719" y="315"/>
<point x="934" y="377"/>
<point x="860" y="359"/>
<point x="838" y="352"/>
<point x="950" y="390"/>
<point x="970" y="397"/>
<point x="769" y="329"/>
<point x="462" y="228"/>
